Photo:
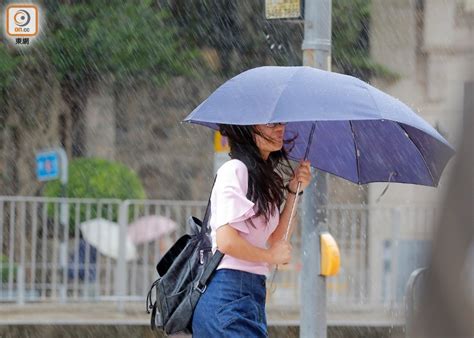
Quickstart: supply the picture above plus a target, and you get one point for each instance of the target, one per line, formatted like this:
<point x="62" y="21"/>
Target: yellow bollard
<point x="330" y="256"/>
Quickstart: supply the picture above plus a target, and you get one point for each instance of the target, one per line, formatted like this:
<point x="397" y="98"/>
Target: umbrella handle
<point x="293" y="208"/>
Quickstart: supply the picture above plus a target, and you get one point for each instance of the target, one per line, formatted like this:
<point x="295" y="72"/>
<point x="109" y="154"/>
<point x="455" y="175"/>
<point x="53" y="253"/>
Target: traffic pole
<point x="316" y="53"/>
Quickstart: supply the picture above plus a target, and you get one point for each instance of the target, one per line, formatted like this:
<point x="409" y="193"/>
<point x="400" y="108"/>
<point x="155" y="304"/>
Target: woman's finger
<point x="304" y="179"/>
<point x="302" y="172"/>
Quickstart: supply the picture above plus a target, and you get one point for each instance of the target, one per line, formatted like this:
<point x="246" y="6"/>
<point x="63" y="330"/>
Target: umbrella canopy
<point x="150" y="228"/>
<point x="104" y="236"/>
<point x="360" y="133"/>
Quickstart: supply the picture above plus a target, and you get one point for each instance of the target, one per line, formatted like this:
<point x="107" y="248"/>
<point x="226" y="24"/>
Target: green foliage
<point x="97" y="179"/>
<point x="350" y="40"/>
<point x="5" y="270"/>
<point x="86" y="40"/>
<point x="8" y="66"/>
<point x="242" y="27"/>
<point x="8" y="63"/>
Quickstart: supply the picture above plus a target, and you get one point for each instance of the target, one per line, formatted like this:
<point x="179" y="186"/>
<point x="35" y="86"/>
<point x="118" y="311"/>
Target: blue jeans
<point x="232" y="306"/>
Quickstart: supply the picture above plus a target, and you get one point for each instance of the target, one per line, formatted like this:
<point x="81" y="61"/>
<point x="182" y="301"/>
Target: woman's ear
<point x="253" y="132"/>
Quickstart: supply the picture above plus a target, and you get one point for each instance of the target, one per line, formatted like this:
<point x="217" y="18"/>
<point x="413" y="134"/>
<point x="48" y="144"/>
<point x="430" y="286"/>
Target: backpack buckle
<point x="201" y="257"/>
<point x="201" y="289"/>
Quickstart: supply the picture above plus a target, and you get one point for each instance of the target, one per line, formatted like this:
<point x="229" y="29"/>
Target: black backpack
<point x="183" y="272"/>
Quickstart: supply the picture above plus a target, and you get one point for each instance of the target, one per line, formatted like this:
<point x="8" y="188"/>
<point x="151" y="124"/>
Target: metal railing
<point x="42" y="260"/>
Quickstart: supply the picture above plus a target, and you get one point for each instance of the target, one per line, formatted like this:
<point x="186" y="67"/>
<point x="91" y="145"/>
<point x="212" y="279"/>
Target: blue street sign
<point x="47" y="166"/>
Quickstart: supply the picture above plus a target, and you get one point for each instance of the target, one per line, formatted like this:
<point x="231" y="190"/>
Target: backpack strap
<point x="208" y="270"/>
<point x="216" y="258"/>
<point x="205" y="221"/>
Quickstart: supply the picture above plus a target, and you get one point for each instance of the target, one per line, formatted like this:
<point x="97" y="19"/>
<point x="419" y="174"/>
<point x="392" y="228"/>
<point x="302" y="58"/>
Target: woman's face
<point x="273" y="133"/>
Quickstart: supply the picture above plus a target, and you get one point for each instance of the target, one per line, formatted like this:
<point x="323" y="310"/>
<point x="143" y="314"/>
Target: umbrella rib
<point x="356" y="152"/>
<point x="416" y="146"/>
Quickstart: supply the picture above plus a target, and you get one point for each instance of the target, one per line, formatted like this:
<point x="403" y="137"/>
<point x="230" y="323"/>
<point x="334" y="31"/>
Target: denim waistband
<point x="242" y="274"/>
<point x="242" y="280"/>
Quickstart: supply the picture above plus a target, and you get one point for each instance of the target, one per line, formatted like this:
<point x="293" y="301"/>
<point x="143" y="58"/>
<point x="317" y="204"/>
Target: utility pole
<point x="316" y="53"/>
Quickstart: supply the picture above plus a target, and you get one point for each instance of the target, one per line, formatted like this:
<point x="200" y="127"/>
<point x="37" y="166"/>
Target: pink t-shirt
<point x="229" y="205"/>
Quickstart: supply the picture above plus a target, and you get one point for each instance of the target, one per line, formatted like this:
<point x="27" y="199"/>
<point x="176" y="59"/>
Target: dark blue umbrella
<point x="360" y="133"/>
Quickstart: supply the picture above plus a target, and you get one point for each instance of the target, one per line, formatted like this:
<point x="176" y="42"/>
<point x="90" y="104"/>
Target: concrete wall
<point x="100" y="126"/>
<point x="34" y="105"/>
<point x="174" y="160"/>
<point x="137" y="125"/>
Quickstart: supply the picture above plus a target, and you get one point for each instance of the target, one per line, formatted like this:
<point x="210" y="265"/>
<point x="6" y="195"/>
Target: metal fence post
<point x="395" y="240"/>
<point x="121" y="276"/>
<point x="20" y="275"/>
<point x="21" y="266"/>
<point x="63" y="246"/>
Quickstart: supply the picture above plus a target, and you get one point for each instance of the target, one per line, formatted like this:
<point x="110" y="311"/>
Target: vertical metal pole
<point x="64" y="221"/>
<point x="121" y="275"/>
<point x="313" y="322"/>
<point x="316" y="53"/>
<point x="317" y="34"/>
<point x="21" y="267"/>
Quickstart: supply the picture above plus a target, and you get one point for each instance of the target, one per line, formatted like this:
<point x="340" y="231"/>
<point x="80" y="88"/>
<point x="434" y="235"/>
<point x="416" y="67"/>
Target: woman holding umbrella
<point x="248" y="227"/>
<point x="361" y="134"/>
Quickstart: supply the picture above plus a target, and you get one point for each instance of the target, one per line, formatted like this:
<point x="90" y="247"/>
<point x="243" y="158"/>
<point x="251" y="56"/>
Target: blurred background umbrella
<point x="104" y="236"/>
<point x="150" y="228"/>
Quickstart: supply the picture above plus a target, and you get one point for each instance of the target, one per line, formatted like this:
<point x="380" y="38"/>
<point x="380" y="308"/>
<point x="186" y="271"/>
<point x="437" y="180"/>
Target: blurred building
<point x="430" y="44"/>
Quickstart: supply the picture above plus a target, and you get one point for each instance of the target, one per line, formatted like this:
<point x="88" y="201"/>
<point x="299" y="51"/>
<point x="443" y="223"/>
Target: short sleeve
<point x="229" y="204"/>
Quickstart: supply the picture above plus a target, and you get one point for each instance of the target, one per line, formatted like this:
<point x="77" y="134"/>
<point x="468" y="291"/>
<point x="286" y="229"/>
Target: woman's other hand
<point x="280" y="252"/>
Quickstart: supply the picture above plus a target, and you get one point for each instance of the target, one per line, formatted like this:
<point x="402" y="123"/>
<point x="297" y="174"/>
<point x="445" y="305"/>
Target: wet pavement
<point x="134" y="314"/>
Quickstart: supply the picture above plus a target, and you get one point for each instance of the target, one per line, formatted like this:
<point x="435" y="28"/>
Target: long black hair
<point x="266" y="178"/>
